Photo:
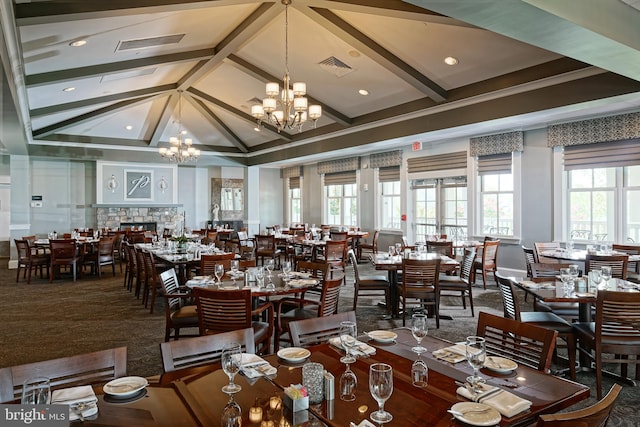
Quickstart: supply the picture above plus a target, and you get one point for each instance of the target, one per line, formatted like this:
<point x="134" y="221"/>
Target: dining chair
<point x="369" y="285"/>
<point x="102" y="255"/>
<point x="633" y="267"/>
<point x="529" y="258"/>
<point x="29" y="260"/>
<point x="618" y="264"/>
<point x="118" y="252"/>
<point x="596" y="415"/>
<point x="420" y="281"/>
<point x="318" y="330"/>
<point x="335" y="256"/>
<point x="179" y="312"/>
<point x="96" y="368"/>
<point x="546" y="272"/>
<point x="443" y="248"/>
<point x="543" y="319"/>
<point x="338" y="235"/>
<point x="64" y="253"/>
<point x="488" y="262"/>
<point x="203" y="350"/>
<point x="266" y="248"/>
<point x="460" y="284"/>
<point x="539" y="247"/>
<point x="208" y="263"/>
<point x="616" y="331"/>
<point x="524" y="343"/>
<point x="151" y="279"/>
<point x="326" y="305"/>
<point x="222" y="310"/>
<point x="371" y="247"/>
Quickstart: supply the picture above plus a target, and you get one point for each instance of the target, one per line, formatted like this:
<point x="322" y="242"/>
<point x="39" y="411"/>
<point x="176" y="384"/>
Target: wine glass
<point x="476" y="353"/>
<point x="348" y="385"/>
<point x="286" y="269"/>
<point x="231" y="414"/>
<point x="219" y="272"/>
<point x="260" y="276"/>
<point x="231" y="361"/>
<point x="606" y="274"/>
<point x="270" y="267"/>
<point x="419" y="330"/>
<point x="381" y="387"/>
<point x="419" y="373"/>
<point x="235" y="266"/>
<point x="348" y="338"/>
<point x="596" y="277"/>
<point x="392" y="250"/>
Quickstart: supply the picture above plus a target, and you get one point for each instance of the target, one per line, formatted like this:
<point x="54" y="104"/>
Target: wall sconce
<point x="163" y="184"/>
<point x="112" y="184"/>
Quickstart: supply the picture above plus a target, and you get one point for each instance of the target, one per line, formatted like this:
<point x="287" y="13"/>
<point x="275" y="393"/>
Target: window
<point x="390" y="204"/>
<point x="632" y="198"/>
<point x="295" y="200"/>
<point x="342" y="204"/>
<point x="440" y="207"/>
<point x="496" y="204"/>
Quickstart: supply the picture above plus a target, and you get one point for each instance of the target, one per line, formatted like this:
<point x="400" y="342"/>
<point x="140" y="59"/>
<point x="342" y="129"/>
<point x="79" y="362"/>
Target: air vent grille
<point x="127" y="75"/>
<point x="335" y="66"/>
<point x="135" y="44"/>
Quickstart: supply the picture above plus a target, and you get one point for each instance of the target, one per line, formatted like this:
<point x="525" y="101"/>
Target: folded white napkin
<point x="453" y="354"/>
<point x="254" y="366"/>
<point x="80" y="399"/>
<point x="359" y="348"/>
<point x="508" y="404"/>
<point x="363" y="423"/>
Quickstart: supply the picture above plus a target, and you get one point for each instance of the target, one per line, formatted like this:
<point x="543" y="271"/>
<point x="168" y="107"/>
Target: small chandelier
<point x="293" y="112"/>
<point x="181" y="150"/>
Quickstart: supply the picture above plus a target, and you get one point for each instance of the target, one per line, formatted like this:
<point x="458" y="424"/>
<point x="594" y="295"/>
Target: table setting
<point x="82" y="401"/>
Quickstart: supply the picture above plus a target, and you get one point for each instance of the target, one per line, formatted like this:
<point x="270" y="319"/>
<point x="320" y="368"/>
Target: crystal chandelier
<point x="181" y="150"/>
<point x="292" y="112"/>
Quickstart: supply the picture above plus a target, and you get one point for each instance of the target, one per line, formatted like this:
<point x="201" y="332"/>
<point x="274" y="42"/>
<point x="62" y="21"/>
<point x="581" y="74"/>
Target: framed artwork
<point x="138" y="185"/>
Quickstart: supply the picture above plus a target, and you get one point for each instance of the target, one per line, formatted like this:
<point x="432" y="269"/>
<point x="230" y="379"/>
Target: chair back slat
<point x="466" y="265"/>
<point x="330" y="296"/>
<point x="510" y="303"/>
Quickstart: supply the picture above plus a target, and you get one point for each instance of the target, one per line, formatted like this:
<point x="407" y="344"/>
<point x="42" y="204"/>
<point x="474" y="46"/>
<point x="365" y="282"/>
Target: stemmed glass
<point x="381" y="387"/>
<point x="286" y="269"/>
<point x="606" y="274"/>
<point x="348" y="385"/>
<point x="476" y="353"/>
<point x="235" y="265"/>
<point x="231" y="414"/>
<point x="596" y="277"/>
<point x="348" y="338"/>
<point x="419" y="330"/>
<point x="219" y="272"/>
<point x="419" y="373"/>
<point x="231" y="362"/>
<point x="270" y="267"/>
<point x="260" y="276"/>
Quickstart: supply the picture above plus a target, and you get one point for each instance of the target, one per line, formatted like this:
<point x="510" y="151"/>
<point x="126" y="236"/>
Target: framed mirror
<point x="231" y="199"/>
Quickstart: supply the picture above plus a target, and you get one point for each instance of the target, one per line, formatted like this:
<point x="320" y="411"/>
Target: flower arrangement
<point x="180" y="239"/>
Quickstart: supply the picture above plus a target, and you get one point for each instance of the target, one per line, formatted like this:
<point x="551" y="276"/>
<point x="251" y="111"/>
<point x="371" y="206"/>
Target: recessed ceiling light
<point x="128" y="127"/>
<point x="69" y="89"/>
<point x="354" y="53"/>
<point x="363" y="92"/>
<point x="450" y="60"/>
<point x="78" y="43"/>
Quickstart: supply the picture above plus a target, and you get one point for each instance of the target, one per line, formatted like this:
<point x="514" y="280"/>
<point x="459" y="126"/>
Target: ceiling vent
<point x="334" y="66"/>
<point x="127" y="75"/>
<point x="135" y="44"/>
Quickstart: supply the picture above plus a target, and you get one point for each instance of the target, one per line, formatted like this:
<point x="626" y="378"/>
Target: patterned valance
<point x="383" y="160"/>
<point x="292" y="172"/>
<point x="342" y="165"/>
<point x="501" y="143"/>
<point x="603" y="129"/>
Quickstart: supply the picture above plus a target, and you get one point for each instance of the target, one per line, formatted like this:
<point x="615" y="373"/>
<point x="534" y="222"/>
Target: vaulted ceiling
<point x="520" y="64"/>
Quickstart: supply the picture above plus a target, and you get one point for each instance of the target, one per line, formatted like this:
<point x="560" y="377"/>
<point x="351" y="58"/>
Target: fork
<point x="470" y="411"/>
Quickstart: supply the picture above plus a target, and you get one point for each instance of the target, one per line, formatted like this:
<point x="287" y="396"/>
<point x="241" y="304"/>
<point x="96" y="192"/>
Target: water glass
<point x="606" y="274"/>
<point x="476" y="353"/>
<point x="348" y="385"/>
<point x="231" y="364"/>
<point x="419" y="330"/>
<point x="348" y="338"/>
<point x="392" y="250"/>
<point x="231" y="414"/>
<point x="419" y="373"/>
<point x="381" y="388"/>
<point x="36" y="391"/>
<point x="313" y="381"/>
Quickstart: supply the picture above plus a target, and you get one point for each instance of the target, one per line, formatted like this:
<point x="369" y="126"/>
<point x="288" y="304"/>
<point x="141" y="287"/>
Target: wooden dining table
<point x="194" y="398"/>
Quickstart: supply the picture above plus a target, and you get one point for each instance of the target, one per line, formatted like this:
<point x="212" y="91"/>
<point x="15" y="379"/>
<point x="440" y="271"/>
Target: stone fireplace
<point x="114" y="217"/>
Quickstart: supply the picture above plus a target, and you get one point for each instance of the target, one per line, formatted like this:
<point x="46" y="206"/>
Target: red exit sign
<point x="416" y="146"/>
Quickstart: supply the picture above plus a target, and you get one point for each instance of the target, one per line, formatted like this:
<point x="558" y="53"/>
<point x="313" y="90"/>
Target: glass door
<point x="440" y="207"/>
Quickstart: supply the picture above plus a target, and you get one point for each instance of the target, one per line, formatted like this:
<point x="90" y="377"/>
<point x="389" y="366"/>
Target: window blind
<point x="439" y="162"/>
<point x="390" y="174"/>
<point x="294" y="183"/>
<point x="602" y="155"/>
<point x="340" y="178"/>
<point x="495" y="164"/>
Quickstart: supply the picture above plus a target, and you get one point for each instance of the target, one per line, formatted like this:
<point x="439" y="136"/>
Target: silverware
<point x="470" y="411"/>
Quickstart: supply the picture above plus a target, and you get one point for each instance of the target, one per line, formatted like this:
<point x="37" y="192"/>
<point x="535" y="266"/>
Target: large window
<point x="342" y="204"/>
<point x="440" y="207"/>
<point x="390" y="204"/>
<point x="295" y="206"/>
<point x="497" y="204"/>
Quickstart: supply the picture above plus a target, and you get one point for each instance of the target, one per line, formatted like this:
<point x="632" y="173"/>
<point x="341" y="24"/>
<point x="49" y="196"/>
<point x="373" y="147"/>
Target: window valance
<point x="389" y="174"/>
<point x="495" y="164"/>
<point x="387" y="159"/>
<point x="622" y="127"/>
<point x="501" y="143"/>
<point x="340" y="178"/>
<point x="294" y="182"/>
<point x="603" y="155"/>
<point x="341" y="165"/>
<point x="291" y="172"/>
<point x="457" y="160"/>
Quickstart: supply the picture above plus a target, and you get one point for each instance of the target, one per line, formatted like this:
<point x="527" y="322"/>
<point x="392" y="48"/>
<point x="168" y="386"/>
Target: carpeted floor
<point x="44" y="321"/>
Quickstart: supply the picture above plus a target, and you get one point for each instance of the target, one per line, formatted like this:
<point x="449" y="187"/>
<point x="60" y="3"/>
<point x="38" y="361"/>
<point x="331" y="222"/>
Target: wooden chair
<point x="462" y="283"/>
<point x="596" y="415"/>
<point x="318" y="330"/>
<point x="618" y="264"/>
<point x="633" y="268"/>
<point x="208" y="263"/>
<point x="91" y="368"/>
<point x="369" y="247"/>
<point x="369" y="285"/>
<point x="616" y="331"/>
<point x="266" y="248"/>
<point x="529" y="258"/>
<point x="546" y="320"/>
<point x="488" y="262"/>
<point x="420" y="281"/>
<point x="203" y="350"/>
<point x="228" y="310"/>
<point x="30" y="260"/>
<point x="152" y="279"/>
<point x="335" y="256"/>
<point x="307" y="309"/>
<point x="103" y="255"/>
<point x="539" y="247"/>
<point x="442" y="248"/>
<point x="64" y="253"/>
<point x="544" y="272"/>
<point x="179" y="314"/>
<point x="339" y="236"/>
<point x="524" y="343"/>
<point x="118" y="252"/>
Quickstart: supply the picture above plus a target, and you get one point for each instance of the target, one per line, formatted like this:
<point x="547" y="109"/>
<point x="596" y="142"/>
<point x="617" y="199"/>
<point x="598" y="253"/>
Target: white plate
<point x="382" y="336"/>
<point x="500" y="364"/>
<point x="488" y="416"/>
<point x="293" y="354"/>
<point x="125" y="386"/>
